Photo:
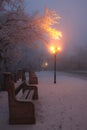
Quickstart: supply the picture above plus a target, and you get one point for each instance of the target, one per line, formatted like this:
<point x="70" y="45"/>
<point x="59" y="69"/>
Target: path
<point x="61" y="106"/>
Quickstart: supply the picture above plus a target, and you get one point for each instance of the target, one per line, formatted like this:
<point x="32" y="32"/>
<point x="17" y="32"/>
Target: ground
<point x="61" y="106"/>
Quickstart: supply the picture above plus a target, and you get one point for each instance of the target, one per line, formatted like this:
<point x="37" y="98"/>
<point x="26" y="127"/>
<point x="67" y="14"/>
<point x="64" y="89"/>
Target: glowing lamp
<point x="46" y="64"/>
<point x="55" y="50"/>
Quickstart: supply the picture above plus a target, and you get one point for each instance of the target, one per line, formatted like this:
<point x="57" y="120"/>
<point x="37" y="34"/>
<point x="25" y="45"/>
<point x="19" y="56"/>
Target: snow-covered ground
<point x="61" y="106"/>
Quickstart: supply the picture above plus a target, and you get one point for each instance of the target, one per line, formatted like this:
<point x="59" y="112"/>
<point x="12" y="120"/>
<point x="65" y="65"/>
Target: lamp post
<point x="55" y="54"/>
<point x="55" y="50"/>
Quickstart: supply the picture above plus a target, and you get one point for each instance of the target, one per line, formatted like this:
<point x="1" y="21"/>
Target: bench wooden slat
<point x="19" y="88"/>
<point x="30" y="95"/>
<point x="24" y="95"/>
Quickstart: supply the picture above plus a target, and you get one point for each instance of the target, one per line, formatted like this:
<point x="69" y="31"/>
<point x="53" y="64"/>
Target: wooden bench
<point x="33" y="78"/>
<point x="21" y="105"/>
<point x="20" y="74"/>
<point x="31" y="84"/>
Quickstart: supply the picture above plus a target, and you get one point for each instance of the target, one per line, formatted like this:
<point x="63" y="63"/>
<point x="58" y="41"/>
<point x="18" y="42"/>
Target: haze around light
<point x="73" y="23"/>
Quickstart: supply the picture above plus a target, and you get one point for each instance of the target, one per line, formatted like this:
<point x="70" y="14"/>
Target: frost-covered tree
<point x="19" y="28"/>
<point x="22" y="28"/>
<point x="8" y="25"/>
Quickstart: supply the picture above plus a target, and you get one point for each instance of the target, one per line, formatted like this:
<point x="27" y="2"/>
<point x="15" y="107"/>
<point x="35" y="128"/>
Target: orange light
<point x="59" y="48"/>
<point x="49" y="19"/>
<point x="55" y="49"/>
<point x="52" y="49"/>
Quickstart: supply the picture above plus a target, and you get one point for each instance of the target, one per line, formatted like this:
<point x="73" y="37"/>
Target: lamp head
<point x="54" y="49"/>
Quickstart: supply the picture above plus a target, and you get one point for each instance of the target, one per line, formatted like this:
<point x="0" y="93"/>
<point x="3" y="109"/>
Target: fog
<point x="73" y="18"/>
<point x="73" y="25"/>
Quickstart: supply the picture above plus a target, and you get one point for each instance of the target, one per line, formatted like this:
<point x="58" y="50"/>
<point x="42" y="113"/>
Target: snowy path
<point x="61" y="106"/>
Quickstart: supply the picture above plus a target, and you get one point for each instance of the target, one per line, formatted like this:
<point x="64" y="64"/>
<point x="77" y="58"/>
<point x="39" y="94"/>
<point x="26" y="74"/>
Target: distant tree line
<point x="65" y="61"/>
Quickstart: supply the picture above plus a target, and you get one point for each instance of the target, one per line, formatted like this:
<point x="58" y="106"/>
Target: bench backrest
<point x="12" y="90"/>
<point x="20" y="87"/>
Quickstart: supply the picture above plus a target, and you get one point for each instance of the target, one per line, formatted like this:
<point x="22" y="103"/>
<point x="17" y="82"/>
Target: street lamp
<point x="55" y="51"/>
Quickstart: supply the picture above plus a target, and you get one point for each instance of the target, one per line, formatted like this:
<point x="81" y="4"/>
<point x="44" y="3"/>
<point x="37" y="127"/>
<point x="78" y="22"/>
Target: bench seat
<point x="27" y="95"/>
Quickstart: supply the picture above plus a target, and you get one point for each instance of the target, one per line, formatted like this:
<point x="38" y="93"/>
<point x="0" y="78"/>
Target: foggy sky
<point x="73" y="23"/>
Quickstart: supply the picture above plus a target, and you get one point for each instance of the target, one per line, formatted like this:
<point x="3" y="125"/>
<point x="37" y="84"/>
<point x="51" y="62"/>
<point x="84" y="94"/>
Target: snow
<point x="61" y="106"/>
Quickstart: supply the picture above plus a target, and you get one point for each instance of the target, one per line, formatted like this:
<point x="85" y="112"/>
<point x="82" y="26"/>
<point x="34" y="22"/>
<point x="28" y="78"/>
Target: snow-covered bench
<point x="31" y="83"/>
<point x="21" y="105"/>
